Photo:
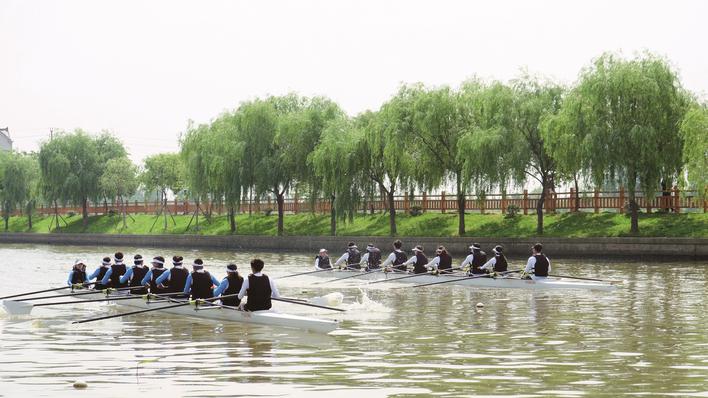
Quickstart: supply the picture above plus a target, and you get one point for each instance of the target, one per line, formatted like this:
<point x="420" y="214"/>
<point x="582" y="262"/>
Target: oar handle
<point x="42" y="291"/>
<point x="307" y="273"/>
<point x="307" y="304"/>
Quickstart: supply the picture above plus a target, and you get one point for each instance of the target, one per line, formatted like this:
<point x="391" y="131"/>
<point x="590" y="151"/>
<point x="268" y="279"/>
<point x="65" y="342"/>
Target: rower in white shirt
<point x="442" y="261"/>
<point x="475" y="260"/>
<point x="259" y="289"/>
<point x="497" y="263"/>
<point x="372" y="258"/>
<point x="322" y="260"/>
<point x="396" y="260"/>
<point x="351" y="259"/>
<point x="538" y="265"/>
<point x="418" y="260"/>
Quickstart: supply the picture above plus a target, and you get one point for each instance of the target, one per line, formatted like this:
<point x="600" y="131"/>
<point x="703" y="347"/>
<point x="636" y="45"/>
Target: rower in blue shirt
<point x="99" y="273"/>
<point x="77" y="276"/>
<point x="200" y="282"/>
<point x="150" y="279"/>
<point x="118" y="269"/>
<point x="230" y="285"/>
<point x="134" y="275"/>
<point x="174" y="279"/>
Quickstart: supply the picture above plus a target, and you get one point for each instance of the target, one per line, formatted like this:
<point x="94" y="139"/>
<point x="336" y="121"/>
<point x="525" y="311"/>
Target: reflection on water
<point x="647" y="338"/>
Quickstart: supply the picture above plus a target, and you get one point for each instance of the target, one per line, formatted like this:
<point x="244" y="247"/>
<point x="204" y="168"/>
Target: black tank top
<point x="501" y="264"/>
<point x="235" y="283"/>
<point x="156" y="272"/>
<point x="445" y="262"/>
<point x="324" y="262"/>
<point x="101" y="274"/>
<point x="478" y="260"/>
<point x="419" y="266"/>
<point x="178" y="278"/>
<point x="201" y="285"/>
<point x="541" y="266"/>
<point x="78" y="277"/>
<point x="374" y="260"/>
<point x="259" y="293"/>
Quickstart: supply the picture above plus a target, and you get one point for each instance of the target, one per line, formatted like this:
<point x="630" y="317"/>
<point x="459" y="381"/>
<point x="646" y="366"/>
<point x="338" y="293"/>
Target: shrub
<point x="512" y="211"/>
<point x="70" y="214"/>
<point x="415" y="211"/>
<point x="268" y="211"/>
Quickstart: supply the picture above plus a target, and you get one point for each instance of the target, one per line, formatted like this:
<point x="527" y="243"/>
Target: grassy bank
<point x="429" y="224"/>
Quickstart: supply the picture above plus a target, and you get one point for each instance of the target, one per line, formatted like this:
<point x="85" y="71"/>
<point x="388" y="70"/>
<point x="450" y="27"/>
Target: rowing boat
<point x="204" y="311"/>
<point x="506" y="282"/>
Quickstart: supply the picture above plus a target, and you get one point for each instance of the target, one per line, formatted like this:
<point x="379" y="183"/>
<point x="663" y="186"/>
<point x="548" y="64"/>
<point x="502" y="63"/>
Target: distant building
<point x="5" y="141"/>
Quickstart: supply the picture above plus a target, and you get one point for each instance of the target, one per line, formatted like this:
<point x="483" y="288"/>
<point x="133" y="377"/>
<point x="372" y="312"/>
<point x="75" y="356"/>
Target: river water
<point x="648" y="338"/>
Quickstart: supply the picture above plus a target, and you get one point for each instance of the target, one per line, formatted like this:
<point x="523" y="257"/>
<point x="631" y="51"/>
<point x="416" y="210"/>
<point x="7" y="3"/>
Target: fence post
<point x="526" y="201"/>
<point x="425" y="201"/>
<point x="503" y="203"/>
<point x="596" y="201"/>
<point x="442" y="201"/>
<point x="677" y="200"/>
<point x="649" y="203"/>
<point x="621" y="200"/>
<point x="406" y="203"/>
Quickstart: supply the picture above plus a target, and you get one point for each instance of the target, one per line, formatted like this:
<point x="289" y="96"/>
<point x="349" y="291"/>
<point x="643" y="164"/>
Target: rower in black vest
<point x="174" y="280"/>
<point x="538" y="264"/>
<point x="397" y="258"/>
<point x="259" y="289"/>
<point x="418" y="260"/>
<point x="135" y="274"/>
<point x="352" y="258"/>
<point x="372" y="258"/>
<point x="230" y="286"/>
<point x="77" y="276"/>
<point x="322" y="260"/>
<point x="150" y="280"/>
<point x="444" y="262"/>
<point x="497" y="263"/>
<point x="200" y="282"/>
<point x="117" y="270"/>
<point x="475" y="260"/>
<point x="100" y="272"/>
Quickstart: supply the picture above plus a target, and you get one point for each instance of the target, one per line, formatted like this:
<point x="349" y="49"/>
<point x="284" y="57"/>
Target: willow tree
<point x="336" y="163"/>
<point x="226" y="165"/>
<point x="119" y="180"/>
<point x="163" y="172"/>
<point x="635" y="107"/>
<point x="694" y="129"/>
<point x="196" y="149"/>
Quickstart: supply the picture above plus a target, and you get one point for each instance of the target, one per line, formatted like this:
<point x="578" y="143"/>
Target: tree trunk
<point x="163" y="203"/>
<point x="332" y="217"/>
<point x="29" y="218"/>
<point x="232" y="219"/>
<point x="56" y="215"/>
<point x="577" y="194"/>
<point x="85" y="212"/>
<point x="391" y="212"/>
<point x="539" y="208"/>
<point x="460" y="206"/>
<point x="125" y="212"/>
<point x="280" y="198"/>
<point x="250" y="201"/>
<point x="634" y="210"/>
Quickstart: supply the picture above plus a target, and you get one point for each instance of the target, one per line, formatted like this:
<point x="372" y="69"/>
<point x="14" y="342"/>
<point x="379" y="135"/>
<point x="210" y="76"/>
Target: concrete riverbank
<point x="686" y="248"/>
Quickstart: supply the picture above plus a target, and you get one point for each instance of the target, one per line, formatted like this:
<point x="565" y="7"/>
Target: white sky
<point x="141" y="69"/>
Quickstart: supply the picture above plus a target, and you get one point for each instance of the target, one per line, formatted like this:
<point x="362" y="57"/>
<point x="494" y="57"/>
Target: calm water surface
<point x="648" y="338"/>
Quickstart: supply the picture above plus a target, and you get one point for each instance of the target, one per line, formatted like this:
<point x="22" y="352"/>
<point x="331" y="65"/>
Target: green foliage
<point x="694" y="130"/>
<point x="163" y="172"/>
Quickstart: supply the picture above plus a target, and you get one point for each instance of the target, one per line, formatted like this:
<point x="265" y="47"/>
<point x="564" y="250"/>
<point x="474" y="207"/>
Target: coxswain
<point x="538" y="265"/>
<point x="77" y="275"/>
<point x="322" y="260"/>
<point x="372" y="257"/>
<point x="174" y="279"/>
<point x="475" y="260"/>
<point x="352" y="258"/>
<point x="118" y="269"/>
<point x="498" y="262"/>
<point x="259" y="289"/>
<point x="230" y="286"/>
<point x="150" y="279"/>
<point x="418" y="260"/>
<point x="134" y="275"/>
<point x="100" y="272"/>
<point x="200" y="283"/>
<point x="442" y="261"/>
<point x="396" y="260"/>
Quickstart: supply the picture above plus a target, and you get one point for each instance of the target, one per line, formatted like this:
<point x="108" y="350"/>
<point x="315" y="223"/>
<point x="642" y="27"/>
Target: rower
<point x="372" y="257"/>
<point x="538" y="265"/>
<point x="475" y="260"/>
<point x="497" y="263"/>
<point x="200" y="283"/>
<point x="397" y="258"/>
<point x="352" y="258"/>
<point x="112" y="277"/>
<point x="229" y="286"/>
<point x="442" y="261"/>
<point x="135" y="275"/>
<point x="259" y="289"/>
<point x="322" y="260"/>
<point x="150" y="279"/>
<point x="418" y="261"/>
<point x="77" y="276"/>
<point x="174" y="279"/>
<point x="100" y="272"/>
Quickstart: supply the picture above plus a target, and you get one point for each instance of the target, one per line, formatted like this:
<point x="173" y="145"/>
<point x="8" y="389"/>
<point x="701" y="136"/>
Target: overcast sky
<point x="141" y="69"/>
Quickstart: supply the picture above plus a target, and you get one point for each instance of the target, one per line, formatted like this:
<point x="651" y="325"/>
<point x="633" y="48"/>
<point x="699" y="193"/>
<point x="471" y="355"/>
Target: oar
<point x="42" y="291"/>
<point x="88" y="301"/>
<point x="132" y="313"/>
<point x="356" y="275"/>
<point x="24" y="308"/>
<point x="413" y="276"/>
<point x="104" y="291"/>
<point x="306" y="273"/>
<point x="307" y="304"/>
<point x="586" y="279"/>
<point x="463" y="279"/>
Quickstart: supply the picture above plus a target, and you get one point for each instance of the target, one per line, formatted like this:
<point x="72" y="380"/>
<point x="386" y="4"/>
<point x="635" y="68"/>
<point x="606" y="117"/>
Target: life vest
<point x="445" y="262"/>
<point x="135" y="279"/>
<point x="99" y="278"/>
<point x="354" y="259"/>
<point x="177" y="280"/>
<point x="399" y="260"/>
<point x="420" y="262"/>
<point x="479" y="258"/>
<point x="235" y="284"/>
<point x="258" y="292"/>
<point x="156" y="272"/>
<point x="201" y="285"/>
<point x="117" y="270"/>
<point x="541" y="266"/>
<point x="78" y="277"/>
<point x="324" y="262"/>
<point x="500" y="265"/>
<point x="374" y="260"/>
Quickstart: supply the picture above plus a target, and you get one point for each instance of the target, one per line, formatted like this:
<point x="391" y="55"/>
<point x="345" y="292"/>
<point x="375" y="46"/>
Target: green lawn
<point x="429" y="224"/>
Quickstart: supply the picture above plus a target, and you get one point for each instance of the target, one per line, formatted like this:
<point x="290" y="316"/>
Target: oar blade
<point x="18" y="308"/>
